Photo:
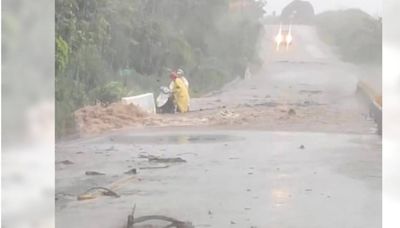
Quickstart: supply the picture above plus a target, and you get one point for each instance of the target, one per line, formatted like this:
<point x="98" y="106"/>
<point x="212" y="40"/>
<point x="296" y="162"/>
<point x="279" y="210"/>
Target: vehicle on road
<point x="284" y="38"/>
<point x="165" y="101"/>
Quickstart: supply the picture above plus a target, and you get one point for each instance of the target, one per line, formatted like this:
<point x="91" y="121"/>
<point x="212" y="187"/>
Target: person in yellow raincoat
<point x="180" y="92"/>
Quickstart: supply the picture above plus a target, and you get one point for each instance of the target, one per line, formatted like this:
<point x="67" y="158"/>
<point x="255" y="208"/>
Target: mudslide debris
<point x="96" y="119"/>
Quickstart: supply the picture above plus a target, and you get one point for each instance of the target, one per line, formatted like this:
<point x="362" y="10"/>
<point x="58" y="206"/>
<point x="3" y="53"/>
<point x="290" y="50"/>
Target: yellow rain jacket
<point x="181" y="95"/>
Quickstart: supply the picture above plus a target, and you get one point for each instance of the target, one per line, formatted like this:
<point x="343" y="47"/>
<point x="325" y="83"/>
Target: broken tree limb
<point x="131" y="218"/>
<point x="107" y="192"/>
<point x="174" y="222"/>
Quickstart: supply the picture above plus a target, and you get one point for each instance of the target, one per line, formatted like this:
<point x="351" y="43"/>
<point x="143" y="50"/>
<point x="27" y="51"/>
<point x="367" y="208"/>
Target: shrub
<point x="110" y="92"/>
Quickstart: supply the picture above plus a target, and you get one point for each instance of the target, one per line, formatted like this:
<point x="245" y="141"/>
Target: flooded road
<point x="290" y="146"/>
<point x="171" y="138"/>
<point x="308" y="78"/>
<point x="266" y="179"/>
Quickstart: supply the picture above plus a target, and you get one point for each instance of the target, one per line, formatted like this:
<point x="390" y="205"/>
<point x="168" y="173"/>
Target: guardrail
<point x="375" y="102"/>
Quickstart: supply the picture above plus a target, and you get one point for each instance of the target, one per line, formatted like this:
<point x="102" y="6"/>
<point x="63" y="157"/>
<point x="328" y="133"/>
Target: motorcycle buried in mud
<point x="165" y="101"/>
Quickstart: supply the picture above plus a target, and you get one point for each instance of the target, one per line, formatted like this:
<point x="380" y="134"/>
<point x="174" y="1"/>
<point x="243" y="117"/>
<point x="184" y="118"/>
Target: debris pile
<point x="226" y="114"/>
<point x="97" y="119"/>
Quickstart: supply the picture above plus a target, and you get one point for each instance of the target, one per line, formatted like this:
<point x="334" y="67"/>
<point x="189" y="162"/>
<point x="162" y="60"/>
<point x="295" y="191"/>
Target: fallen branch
<point x="107" y="192"/>
<point x="174" y="222"/>
<point x="155" y="159"/>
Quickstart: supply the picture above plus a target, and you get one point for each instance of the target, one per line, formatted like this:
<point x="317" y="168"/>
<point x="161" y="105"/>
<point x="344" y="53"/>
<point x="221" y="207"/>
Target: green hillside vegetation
<point x="106" y="49"/>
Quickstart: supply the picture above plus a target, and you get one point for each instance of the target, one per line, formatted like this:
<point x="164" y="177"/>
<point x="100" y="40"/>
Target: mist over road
<point x="290" y="146"/>
<point x="309" y="77"/>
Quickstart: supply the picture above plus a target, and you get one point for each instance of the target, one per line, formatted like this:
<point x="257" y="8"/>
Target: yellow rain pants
<point x="181" y="95"/>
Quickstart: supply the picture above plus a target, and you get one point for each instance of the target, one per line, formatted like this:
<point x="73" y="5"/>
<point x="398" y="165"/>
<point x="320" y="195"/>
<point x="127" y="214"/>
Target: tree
<point x="96" y="40"/>
<point x="298" y="12"/>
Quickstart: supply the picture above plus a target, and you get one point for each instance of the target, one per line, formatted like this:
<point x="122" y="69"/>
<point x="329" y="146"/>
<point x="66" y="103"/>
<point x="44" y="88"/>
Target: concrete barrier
<point x="144" y="101"/>
<point x="375" y="103"/>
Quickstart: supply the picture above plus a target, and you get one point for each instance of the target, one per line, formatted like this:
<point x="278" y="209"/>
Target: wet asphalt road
<point x="251" y="179"/>
<point x="310" y="76"/>
<point x="246" y="178"/>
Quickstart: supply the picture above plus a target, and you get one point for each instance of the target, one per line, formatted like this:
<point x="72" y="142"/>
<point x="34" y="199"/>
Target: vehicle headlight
<point x="278" y="38"/>
<point x="165" y="90"/>
<point x="289" y="39"/>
